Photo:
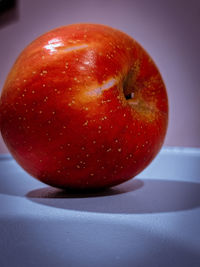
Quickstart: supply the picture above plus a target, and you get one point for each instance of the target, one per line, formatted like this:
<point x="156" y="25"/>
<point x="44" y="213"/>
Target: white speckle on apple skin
<point x="85" y="123"/>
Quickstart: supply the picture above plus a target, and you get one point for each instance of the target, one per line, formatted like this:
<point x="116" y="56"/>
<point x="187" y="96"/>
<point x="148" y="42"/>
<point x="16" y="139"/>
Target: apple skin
<point x="84" y="107"/>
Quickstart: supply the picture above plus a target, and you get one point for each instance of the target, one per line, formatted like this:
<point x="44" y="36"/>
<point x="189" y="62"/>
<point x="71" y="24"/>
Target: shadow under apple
<point x="133" y="197"/>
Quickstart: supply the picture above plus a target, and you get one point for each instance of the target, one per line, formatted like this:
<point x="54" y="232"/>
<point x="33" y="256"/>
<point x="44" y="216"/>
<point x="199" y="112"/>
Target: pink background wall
<point x="168" y="30"/>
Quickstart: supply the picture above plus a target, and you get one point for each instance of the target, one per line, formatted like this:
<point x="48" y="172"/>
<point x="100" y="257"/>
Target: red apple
<point x="84" y="106"/>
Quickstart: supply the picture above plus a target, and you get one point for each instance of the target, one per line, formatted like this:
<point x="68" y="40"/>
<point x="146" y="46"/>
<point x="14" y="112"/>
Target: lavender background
<point x="168" y="30"/>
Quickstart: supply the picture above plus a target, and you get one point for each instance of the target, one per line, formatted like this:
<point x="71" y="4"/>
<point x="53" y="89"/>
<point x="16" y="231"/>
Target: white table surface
<point x="151" y="220"/>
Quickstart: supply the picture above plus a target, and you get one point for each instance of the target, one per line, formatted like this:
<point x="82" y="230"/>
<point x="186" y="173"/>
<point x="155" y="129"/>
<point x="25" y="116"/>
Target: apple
<point x="84" y="107"/>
